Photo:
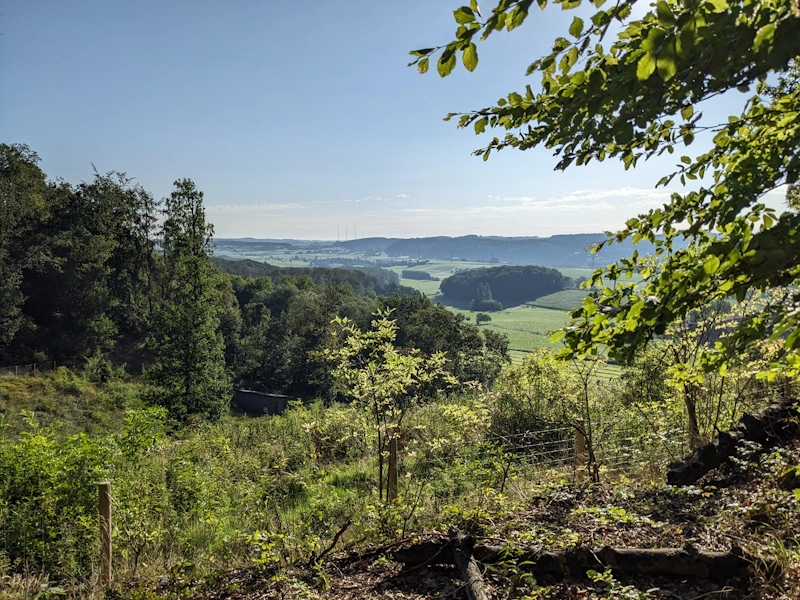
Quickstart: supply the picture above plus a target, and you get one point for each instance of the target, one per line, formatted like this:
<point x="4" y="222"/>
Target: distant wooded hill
<point x="509" y="285"/>
<point x="555" y="251"/>
<point x="365" y="281"/>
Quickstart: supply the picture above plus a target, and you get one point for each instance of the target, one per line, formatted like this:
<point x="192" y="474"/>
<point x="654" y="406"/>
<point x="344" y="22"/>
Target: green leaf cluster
<point x="630" y="88"/>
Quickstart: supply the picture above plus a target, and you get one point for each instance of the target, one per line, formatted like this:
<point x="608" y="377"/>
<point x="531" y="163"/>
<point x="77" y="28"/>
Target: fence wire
<point x="610" y="447"/>
<point x="48" y="365"/>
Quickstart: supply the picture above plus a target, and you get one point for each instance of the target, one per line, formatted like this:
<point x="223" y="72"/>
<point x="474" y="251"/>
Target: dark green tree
<point x="75" y="261"/>
<point x="484" y="292"/>
<point x="189" y="377"/>
<point x="23" y="208"/>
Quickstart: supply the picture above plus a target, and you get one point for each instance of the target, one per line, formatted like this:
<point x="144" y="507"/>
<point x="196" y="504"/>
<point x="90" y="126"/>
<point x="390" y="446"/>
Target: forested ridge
<point x="554" y="251"/>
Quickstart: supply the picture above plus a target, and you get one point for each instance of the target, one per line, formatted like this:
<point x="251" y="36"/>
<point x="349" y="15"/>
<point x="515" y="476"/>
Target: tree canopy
<point x="633" y="88"/>
<point x="509" y="285"/>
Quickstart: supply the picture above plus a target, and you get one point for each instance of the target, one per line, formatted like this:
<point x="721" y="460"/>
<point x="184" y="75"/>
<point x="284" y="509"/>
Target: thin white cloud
<point x="403" y="195"/>
<point x="350" y="200"/>
<point x="518" y="199"/>
<point x="625" y="192"/>
<point x="583" y="199"/>
<point x="530" y="207"/>
<point x="252" y="208"/>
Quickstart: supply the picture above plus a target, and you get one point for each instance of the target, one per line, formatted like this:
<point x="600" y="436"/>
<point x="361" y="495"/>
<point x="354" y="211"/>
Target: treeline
<point x="89" y="267"/>
<point x="421" y="275"/>
<point x="509" y="285"/>
<point x="365" y="281"/>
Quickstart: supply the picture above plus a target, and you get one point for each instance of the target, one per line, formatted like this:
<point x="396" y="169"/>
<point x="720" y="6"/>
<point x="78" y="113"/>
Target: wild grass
<point x="61" y="396"/>
<point x="527" y="327"/>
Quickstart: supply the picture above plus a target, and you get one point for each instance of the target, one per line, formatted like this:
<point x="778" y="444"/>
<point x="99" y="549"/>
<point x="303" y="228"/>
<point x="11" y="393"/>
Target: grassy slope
<point x="62" y="397"/>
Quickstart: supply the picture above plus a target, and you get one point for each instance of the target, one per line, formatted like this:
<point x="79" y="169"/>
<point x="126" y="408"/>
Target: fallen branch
<point x="335" y="541"/>
<point x="470" y="571"/>
<point x="683" y="563"/>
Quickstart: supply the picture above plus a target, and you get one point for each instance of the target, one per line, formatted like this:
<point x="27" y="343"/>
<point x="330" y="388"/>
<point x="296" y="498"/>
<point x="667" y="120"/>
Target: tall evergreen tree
<point x="189" y="376"/>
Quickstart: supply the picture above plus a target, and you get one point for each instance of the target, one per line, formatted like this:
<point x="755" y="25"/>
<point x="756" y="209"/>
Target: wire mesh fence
<point x="573" y="449"/>
<point x="49" y="365"/>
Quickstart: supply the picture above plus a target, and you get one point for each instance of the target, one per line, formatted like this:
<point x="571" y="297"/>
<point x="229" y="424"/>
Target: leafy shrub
<point x="48" y="498"/>
<point x="98" y="369"/>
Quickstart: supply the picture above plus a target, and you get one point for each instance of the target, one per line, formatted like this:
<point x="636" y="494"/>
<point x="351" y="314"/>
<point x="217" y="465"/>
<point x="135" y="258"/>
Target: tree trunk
<point x="691" y="412"/>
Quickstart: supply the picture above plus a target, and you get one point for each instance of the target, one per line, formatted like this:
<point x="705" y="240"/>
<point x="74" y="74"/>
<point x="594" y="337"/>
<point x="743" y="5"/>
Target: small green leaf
<point x="711" y="265"/>
<point x="765" y="34"/>
<point x="719" y="5"/>
<point x="687" y="112"/>
<point x="446" y="64"/>
<point x="480" y="125"/>
<point x="666" y="62"/>
<point x="422" y="65"/>
<point x="470" y="57"/>
<point x="646" y="66"/>
<point x="464" y="15"/>
<point x="576" y="29"/>
<point x="665" y="17"/>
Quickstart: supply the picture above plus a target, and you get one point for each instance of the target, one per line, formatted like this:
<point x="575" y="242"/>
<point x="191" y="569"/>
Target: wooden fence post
<point x="580" y="446"/>
<point x="104" y="506"/>
<point x="391" y="491"/>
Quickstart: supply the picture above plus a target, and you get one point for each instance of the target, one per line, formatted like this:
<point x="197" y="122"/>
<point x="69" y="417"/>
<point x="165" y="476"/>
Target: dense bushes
<point x="487" y="305"/>
<point x="509" y="285"/>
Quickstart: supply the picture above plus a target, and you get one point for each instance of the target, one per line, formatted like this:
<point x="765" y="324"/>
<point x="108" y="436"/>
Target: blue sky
<point x="297" y="117"/>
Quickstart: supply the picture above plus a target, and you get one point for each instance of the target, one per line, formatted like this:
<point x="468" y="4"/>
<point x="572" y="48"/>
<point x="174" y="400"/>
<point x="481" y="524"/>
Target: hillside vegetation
<point x="281" y="496"/>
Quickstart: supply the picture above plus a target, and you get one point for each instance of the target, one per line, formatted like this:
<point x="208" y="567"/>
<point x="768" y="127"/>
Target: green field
<point x="564" y="300"/>
<point x="604" y="372"/>
<point x="527" y="327"/>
